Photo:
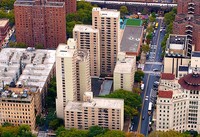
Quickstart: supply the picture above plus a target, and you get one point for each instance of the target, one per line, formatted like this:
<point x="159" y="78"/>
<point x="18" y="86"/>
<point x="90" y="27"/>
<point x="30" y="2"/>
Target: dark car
<point x="143" y="117"/>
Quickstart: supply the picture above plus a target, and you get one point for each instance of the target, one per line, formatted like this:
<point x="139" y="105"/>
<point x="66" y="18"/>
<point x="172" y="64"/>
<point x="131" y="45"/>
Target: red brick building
<point x="187" y="21"/>
<point x="4" y="27"/>
<point x="70" y="5"/>
<point x="40" y="22"/>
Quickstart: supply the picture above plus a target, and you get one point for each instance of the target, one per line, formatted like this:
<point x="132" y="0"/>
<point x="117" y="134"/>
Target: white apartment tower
<point x="108" y="23"/>
<point x="124" y="72"/>
<point x="72" y="74"/>
<point x="88" y="38"/>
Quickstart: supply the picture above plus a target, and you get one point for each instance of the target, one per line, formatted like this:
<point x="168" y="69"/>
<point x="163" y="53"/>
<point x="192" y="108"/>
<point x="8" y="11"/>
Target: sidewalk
<point x="127" y="125"/>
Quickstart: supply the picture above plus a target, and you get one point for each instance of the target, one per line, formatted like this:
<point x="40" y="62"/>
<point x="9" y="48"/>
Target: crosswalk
<point x="154" y="63"/>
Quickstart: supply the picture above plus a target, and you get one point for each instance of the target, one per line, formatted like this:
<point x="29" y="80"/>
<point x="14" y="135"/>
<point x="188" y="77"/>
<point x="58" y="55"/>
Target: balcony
<point x="189" y="26"/>
<point x="190" y="8"/>
<point x="190" y="4"/>
<point x="190" y="12"/>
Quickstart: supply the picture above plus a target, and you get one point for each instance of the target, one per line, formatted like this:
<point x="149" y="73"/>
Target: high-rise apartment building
<point x="108" y="23"/>
<point x="178" y="103"/>
<point x="124" y="72"/>
<point x="88" y="38"/>
<point x="72" y="74"/>
<point x="105" y="112"/>
<point x="70" y="5"/>
<point x="40" y="22"/>
<point x="187" y="22"/>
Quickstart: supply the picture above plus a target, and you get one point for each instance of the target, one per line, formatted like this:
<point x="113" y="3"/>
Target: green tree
<point x="132" y="101"/>
<point x="150" y="29"/>
<point x="170" y="133"/>
<point x="145" y="48"/>
<point x="112" y="133"/>
<point x="136" y="90"/>
<point x="134" y="134"/>
<point x="123" y="10"/>
<point x="7" y="4"/>
<point x="71" y="133"/>
<point x="9" y="15"/>
<point x="17" y="45"/>
<point x="152" y="19"/>
<point x="55" y="123"/>
<point x="139" y="76"/>
<point x="96" y="130"/>
<point x="39" y="46"/>
<point x="153" y="14"/>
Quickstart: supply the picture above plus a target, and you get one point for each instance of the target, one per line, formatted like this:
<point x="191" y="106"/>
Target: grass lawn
<point x="134" y="22"/>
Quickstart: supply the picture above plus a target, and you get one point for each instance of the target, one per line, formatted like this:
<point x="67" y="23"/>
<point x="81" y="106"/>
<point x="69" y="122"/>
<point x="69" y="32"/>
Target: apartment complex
<point x="4" y="27"/>
<point x="40" y="22"/>
<point x="70" y="5"/>
<point x="178" y="103"/>
<point x="20" y="105"/>
<point x="124" y="72"/>
<point x="108" y="23"/>
<point x="105" y="112"/>
<point x="177" y="53"/>
<point x="72" y="74"/>
<point x="187" y="22"/>
<point x="27" y="67"/>
<point x="88" y="39"/>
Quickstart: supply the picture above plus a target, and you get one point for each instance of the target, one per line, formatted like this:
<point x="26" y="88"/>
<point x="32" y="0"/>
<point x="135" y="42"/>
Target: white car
<point x="156" y="82"/>
<point x="147" y="97"/>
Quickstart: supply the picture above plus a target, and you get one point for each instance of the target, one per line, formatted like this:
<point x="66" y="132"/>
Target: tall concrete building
<point x="124" y="72"/>
<point x="187" y="21"/>
<point x="88" y="38"/>
<point x="40" y="22"/>
<point x="178" y="103"/>
<point x="108" y="23"/>
<point x="105" y="112"/>
<point x="72" y="74"/>
<point x="70" y="5"/>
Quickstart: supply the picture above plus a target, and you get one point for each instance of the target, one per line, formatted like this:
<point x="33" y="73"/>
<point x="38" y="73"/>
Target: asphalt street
<point x="149" y="79"/>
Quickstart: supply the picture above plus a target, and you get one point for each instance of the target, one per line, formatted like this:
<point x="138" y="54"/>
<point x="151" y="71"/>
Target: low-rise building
<point x="4" y="27"/>
<point x="105" y="112"/>
<point x="124" y="72"/>
<point x="132" y="40"/>
<point x="20" y="105"/>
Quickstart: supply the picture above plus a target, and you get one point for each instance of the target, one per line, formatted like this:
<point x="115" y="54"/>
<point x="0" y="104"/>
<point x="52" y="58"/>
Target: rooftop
<point x="106" y="87"/>
<point x="85" y="28"/>
<point x="165" y="94"/>
<point x="64" y="50"/>
<point x="167" y="76"/>
<point x="131" y="39"/>
<point x="107" y="12"/>
<point x="125" y="65"/>
<point x="26" y="65"/>
<point x="3" y="22"/>
<point x="95" y="103"/>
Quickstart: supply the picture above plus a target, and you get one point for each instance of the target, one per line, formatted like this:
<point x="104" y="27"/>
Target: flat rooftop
<point x="95" y="103"/>
<point x="85" y="28"/>
<point x="107" y="12"/>
<point x="35" y="65"/>
<point x="131" y="39"/>
<point x="106" y="87"/>
<point x="125" y="66"/>
<point x="3" y="22"/>
<point x="134" y="22"/>
<point x="177" y="41"/>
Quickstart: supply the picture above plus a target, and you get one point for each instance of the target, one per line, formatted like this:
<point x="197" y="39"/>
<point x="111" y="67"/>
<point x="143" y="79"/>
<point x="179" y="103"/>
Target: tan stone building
<point x="72" y="74"/>
<point x="105" y="112"/>
<point x="88" y="39"/>
<point x="20" y="106"/>
<point x="108" y="23"/>
<point x="124" y="72"/>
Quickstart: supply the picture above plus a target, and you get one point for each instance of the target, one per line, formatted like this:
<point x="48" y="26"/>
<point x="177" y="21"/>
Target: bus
<point x="156" y="26"/>
<point x="150" y="108"/>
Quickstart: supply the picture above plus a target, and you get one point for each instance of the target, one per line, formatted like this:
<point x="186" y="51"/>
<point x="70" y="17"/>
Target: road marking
<point x="154" y="63"/>
<point x="139" y="125"/>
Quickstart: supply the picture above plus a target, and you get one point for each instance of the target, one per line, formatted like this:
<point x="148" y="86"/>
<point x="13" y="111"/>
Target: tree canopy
<point x="93" y="131"/>
<point x="123" y="10"/>
<point x="145" y="48"/>
<point x="15" y="131"/>
<point x="170" y="133"/>
<point x="139" y="75"/>
<point x="17" y="45"/>
<point x="132" y="101"/>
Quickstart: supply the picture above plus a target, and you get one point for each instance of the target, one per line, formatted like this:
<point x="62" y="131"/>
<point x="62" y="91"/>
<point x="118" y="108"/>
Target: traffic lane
<point x="159" y="48"/>
<point x="145" y="122"/>
<point x="145" y="84"/>
<point x="155" y="66"/>
<point x="147" y="67"/>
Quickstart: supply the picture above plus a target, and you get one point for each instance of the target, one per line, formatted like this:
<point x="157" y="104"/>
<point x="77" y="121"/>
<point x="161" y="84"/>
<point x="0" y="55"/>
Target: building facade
<point x="178" y="102"/>
<point x="4" y="27"/>
<point x="187" y="22"/>
<point x="72" y="74"/>
<point x="108" y="23"/>
<point x="107" y="113"/>
<point x="20" y="105"/>
<point x="124" y="72"/>
<point x="40" y="22"/>
<point x="70" y="5"/>
<point x="88" y="38"/>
